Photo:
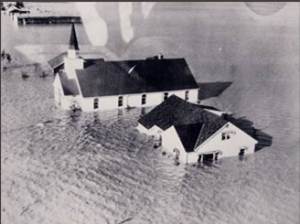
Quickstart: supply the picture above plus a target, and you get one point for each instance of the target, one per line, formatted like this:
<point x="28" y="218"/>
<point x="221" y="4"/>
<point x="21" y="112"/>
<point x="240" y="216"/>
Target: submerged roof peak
<point x="73" y="42"/>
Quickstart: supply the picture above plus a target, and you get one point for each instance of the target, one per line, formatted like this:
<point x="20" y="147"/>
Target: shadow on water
<point x="212" y="89"/>
<point x="264" y="139"/>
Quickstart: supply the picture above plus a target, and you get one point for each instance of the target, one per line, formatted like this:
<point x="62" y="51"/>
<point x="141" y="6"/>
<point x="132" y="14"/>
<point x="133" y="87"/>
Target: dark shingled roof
<point x="135" y="76"/>
<point x="188" y="135"/>
<point x="208" y="107"/>
<point x="69" y="85"/>
<point x="181" y="114"/>
<point x="57" y="61"/>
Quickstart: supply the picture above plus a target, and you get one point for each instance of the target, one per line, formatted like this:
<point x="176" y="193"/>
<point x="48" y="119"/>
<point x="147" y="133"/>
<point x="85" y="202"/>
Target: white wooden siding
<point x="131" y="100"/>
<point x="228" y="147"/>
<point x="170" y="141"/>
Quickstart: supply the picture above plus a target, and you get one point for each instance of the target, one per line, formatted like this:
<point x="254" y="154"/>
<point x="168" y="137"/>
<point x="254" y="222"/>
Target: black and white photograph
<point x="150" y="112"/>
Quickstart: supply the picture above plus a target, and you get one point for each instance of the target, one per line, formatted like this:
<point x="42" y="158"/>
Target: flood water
<point x="58" y="167"/>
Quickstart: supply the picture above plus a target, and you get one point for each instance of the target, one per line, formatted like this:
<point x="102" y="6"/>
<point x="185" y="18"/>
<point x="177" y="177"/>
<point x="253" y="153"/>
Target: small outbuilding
<point x="193" y="133"/>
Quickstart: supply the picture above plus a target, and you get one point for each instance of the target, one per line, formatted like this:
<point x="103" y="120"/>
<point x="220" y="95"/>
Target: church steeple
<point x="73" y="43"/>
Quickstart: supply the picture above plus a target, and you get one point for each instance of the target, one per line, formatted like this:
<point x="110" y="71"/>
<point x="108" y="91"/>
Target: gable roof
<point x="69" y="86"/>
<point x="135" y="76"/>
<point x="188" y="135"/>
<point x="176" y="111"/>
<point x="187" y="118"/>
<point x="57" y="60"/>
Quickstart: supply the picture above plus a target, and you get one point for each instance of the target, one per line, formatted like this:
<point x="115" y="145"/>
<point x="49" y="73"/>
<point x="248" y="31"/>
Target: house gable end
<point x="231" y="128"/>
<point x="171" y="139"/>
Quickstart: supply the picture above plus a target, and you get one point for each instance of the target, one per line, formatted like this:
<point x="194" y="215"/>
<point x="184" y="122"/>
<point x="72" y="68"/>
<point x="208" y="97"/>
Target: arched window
<point x="186" y="95"/>
<point x="96" y="103"/>
<point x="120" y="101"/>
<point x="144" y="99"/>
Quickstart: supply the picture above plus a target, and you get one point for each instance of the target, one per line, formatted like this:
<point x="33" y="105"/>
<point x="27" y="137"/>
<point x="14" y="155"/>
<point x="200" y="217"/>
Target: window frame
<point x="144" y="99"/>
<point x="120" y="101"/>
<point x="166" y="95"/>
<point x="96" y="103"/>
<point x="186" y="95"/>
<point x="225" y="136"/>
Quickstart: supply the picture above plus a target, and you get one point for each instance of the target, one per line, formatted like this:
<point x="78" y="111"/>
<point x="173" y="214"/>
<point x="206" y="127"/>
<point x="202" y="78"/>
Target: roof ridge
<point x="141" y="60"/>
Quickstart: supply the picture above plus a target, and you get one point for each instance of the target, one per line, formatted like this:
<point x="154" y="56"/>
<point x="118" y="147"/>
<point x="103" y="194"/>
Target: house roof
<point x="209" y="107"/>
<point x="69" y="86"/>
<point x="135" y="76"/>
<point x="188" y="135"/>
<point x="58" y="60"/>
<point x="187" y="118"/>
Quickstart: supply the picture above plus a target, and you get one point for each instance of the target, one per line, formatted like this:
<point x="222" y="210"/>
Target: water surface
<point x="96" y="168"/>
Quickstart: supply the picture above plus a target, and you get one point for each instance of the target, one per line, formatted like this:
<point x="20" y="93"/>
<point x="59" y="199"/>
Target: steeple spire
<point x="73" y="43"/>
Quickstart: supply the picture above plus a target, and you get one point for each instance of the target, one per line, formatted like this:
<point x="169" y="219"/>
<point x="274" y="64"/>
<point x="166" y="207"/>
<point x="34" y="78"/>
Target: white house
<point x="194" y="133"/>
<point x="95" y="84"/>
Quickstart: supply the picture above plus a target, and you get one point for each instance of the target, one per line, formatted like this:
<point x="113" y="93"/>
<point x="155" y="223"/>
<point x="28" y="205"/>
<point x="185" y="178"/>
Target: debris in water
<point x="43" y="75"/>
<point x="48" y="121"/>
<point x="40" y="125"/>
<point x="125" y="220"/>
<point x="25" y="75"/>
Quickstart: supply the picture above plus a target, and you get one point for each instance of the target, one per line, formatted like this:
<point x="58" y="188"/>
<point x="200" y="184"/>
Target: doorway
<point x="177" y="153"/>
<point x="208" y="157"/>
<point x="242" y="152"/>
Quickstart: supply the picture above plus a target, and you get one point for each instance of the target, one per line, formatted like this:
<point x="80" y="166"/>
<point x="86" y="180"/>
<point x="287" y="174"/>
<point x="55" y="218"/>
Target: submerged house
<point x="193" y="132"/>
<point x="95" y="84"/>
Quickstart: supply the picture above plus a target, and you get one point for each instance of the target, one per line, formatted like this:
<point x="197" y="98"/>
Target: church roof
<point x="57" y="60"/>
<point x="193" y="124"/>
<point x="73" y="43"/>
<point x="69" y="86"/>
<point x="106" y="78"/>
